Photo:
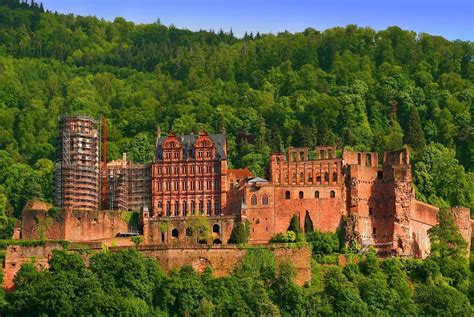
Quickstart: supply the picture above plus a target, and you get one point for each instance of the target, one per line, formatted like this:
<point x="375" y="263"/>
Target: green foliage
<point x="294" y="224"/>
<point x="323" y="242"/>
<point x="240" y="233"/>
<point x="441" y="180"/>
<point x="137" y="240"/>
<point x="289" y="236"/>
<point x="201" y="228"/>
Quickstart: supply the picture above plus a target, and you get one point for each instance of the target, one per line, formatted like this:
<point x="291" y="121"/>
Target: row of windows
<point x="185" y="185"/>
<point x="253" y="200"/>
<point x="177" y="154"/>
<point x="175" y="170"/>
<point x="332" y="194"/>
<point x="310" y="177"/>
<point x="176" y="209"/>
<point x="189" y="231"/>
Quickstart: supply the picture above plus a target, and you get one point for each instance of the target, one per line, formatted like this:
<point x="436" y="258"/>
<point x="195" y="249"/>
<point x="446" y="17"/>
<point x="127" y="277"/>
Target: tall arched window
<point x="253" y="200"/>
<point x="287" y="194"/>
<point x="265" y="199"/>
<point x="332" y="194"/>
<point x="301" y="195"/>
<point x="368" y="160"/>
<point x="193" y="207"/>
<point x="185" y="208"/>
<point x="168" y="208"/>
<point x="316" y="194"/>
<point x="209" y="207"/>
<point x="176" y="208"/>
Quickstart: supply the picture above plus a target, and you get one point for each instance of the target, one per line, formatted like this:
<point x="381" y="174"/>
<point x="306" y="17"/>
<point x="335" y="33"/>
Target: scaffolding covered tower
<point x="77" y="172"/>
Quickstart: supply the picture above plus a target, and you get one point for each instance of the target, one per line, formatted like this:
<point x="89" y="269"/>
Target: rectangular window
<point x="199" y="153"/>
<point x="199" y="169"/>
<point x="200" y="185"/>
<point x="191" y="185"/>
<point x="168" y="186"/>
<point x="192" y="169"/>
<point x="183" y="185"/>
<point x="176" y="155"/>
<point x="176" y="170"/>
<point x="168" y="170"/>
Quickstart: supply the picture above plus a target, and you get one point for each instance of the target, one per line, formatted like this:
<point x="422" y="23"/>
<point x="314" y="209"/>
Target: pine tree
<point x="415" y="136"/>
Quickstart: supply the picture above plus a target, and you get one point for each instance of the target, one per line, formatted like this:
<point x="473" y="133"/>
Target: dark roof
<point x="188" y="146"/>
<point x="258" y="180"/>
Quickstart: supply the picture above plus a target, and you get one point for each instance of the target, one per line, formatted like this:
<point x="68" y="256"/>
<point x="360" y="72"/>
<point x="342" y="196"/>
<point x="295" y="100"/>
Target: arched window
<point x="332" y="194"/>
<point x="265" y="199"/>
<point x="176" y="208"/>
<point x="217" y="241"/>
<point x="209" y="207"/>
<point x="316" y="194"/>
<point x="253" y="200"/>
<point x="215" y="228"/>
<point x="334" y="177"/>
<point x="301" y="195"/>
<point x="359" y="158"/>
<point x="368" y="160"/>
<point x="185" y="208"/>
<point x="326" y="177"/>
<point x="287" y="194"/>
<point x="193" y="207"/>
<point x="175" y="233"/>
<point x="301" y="177"/>
<point x="189" y="232"/>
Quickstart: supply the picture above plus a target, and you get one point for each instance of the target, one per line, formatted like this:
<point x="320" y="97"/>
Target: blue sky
<point x="453" y="19"/>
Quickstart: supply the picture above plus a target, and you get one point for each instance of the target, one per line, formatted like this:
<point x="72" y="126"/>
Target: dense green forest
<point x="126" y="283"/>
<point x="350" y="86"/>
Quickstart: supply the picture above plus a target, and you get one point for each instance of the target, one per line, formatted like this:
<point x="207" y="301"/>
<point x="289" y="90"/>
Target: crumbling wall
<point x="463" y="221"/>
<point x="75" y="225"/>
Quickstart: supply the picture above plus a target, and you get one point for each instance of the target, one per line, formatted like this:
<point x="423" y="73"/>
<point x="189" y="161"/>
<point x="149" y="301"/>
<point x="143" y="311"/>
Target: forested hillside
<point x="349" y="86"/>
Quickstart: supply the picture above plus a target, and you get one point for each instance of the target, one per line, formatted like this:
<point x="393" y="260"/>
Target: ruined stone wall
<point x="462" y="217"/>
<point x="75" y="225"/>
<point x="260" y="211"/>
<point x="222" y="258"/>
<point x="423" y="217"/>
<point x="325" y="211"/>
<point x="176" y="230"/>
<point x="370" y="200"/>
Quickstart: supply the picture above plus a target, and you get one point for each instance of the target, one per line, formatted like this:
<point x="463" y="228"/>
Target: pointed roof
<point x="258" y="180"/>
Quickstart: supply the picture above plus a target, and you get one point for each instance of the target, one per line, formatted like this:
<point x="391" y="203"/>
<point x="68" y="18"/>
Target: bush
<point x="323" y="243"/>
<point x="289" y="236"/>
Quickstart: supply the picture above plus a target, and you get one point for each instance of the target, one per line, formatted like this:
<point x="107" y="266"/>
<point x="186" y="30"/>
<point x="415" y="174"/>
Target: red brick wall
<point x="74" y="225"/>
<point x="260" y="216"/>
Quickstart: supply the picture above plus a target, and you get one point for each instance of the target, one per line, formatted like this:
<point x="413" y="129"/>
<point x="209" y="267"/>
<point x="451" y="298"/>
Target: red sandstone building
<point x="328" y="190"/>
